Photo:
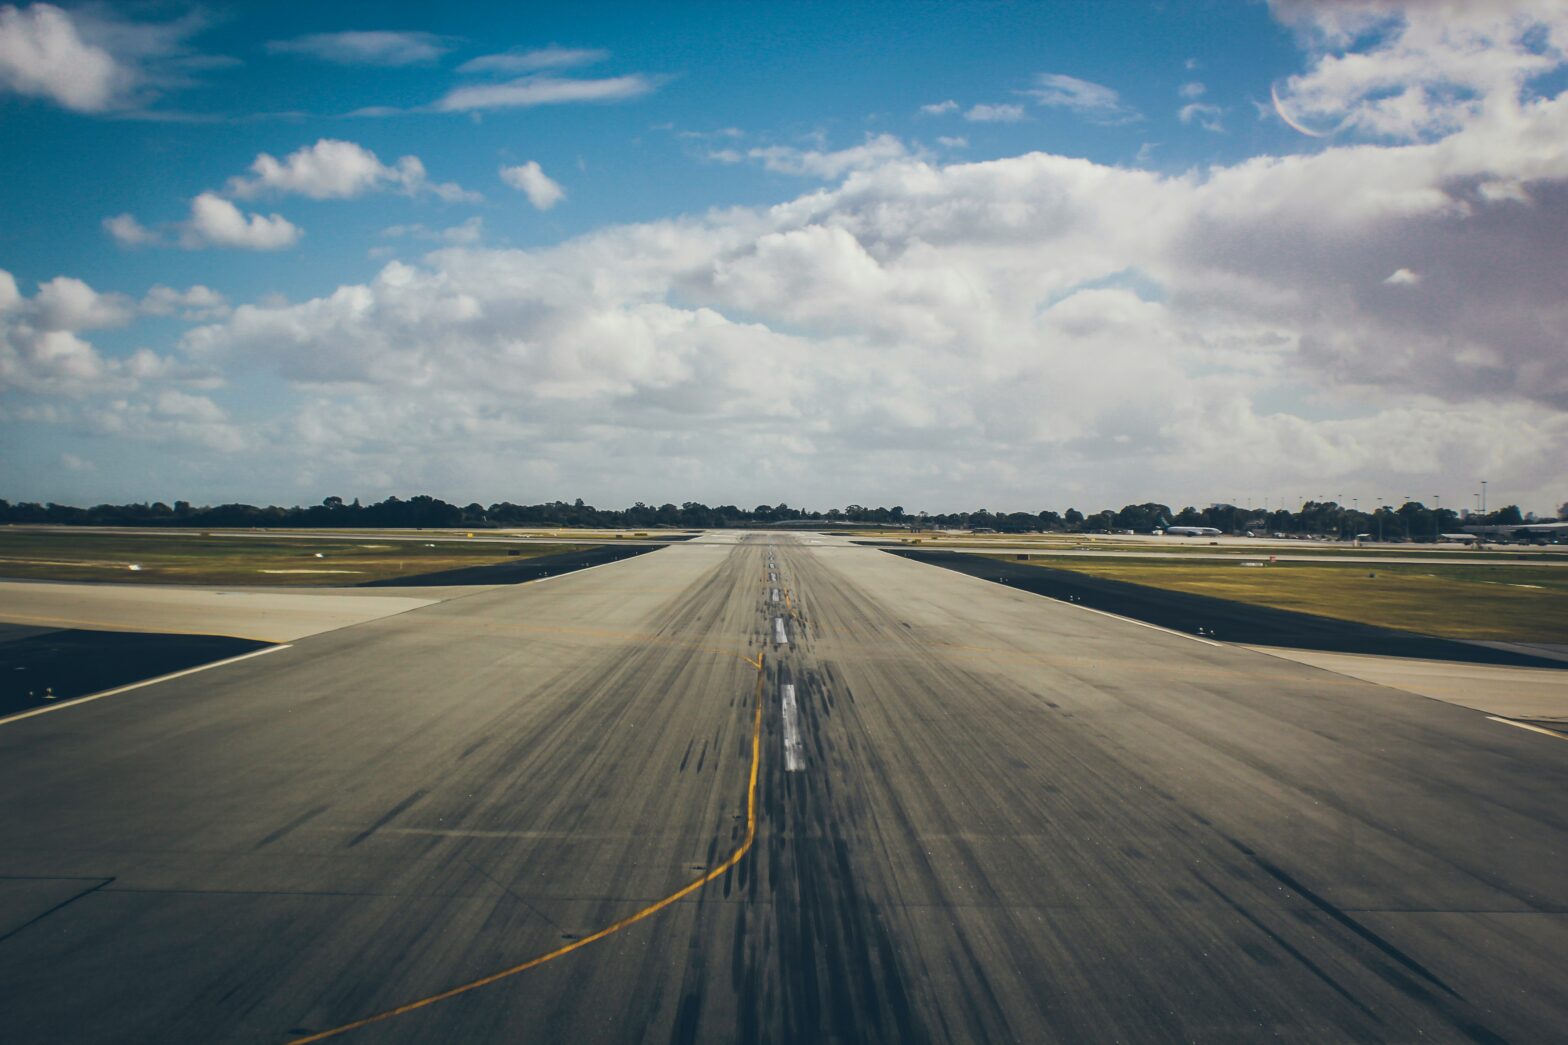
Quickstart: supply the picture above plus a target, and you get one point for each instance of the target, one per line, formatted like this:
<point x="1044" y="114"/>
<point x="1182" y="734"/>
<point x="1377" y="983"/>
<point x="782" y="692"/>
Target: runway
<point x="977" y="815"/>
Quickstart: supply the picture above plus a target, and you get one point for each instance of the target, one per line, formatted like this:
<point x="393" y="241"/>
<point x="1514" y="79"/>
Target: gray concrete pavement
<point x="269" y="616"/>
<point x="1012" y="820"/>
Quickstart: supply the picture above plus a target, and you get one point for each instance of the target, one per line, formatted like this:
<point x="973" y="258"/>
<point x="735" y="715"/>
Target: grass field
<point x="1462" y="600"/>
<point x="249" y="559"/>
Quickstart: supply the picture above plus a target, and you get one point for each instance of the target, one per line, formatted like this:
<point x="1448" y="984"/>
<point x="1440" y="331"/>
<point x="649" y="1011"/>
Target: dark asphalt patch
<point x="518" y="572"/>
<point x="39" y="667"/>
<point x="1222" y="619"/>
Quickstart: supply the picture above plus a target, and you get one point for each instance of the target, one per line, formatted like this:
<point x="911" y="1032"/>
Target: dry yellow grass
<point x="1458" y="601"/>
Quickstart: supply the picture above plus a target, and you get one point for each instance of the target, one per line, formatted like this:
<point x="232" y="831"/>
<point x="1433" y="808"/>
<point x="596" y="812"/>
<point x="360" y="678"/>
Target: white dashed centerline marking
<point x="794" y="757"/>
<point x="773" y="596"/>
<point x="778" y="632"/>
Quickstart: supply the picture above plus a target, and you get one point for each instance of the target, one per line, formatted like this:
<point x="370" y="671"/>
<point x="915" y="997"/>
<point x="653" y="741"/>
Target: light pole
<point x="1437" y="515"/>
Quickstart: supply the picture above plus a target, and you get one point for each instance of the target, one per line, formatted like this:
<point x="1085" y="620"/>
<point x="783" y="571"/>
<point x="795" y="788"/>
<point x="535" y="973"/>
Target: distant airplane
<point x="1187" y="531"/>
<point x="1462" y="538"/>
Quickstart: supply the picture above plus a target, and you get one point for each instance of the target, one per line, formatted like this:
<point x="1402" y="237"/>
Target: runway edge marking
<point x="1526" y="725"/>
<point x="647" y="912"/>
<point x="138" y="685"/>
<point x="1075" y="605"/>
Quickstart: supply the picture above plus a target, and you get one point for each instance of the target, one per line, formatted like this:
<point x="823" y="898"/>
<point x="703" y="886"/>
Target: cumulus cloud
<point x="89" y="60"/>
<point x="217" y="222"/>
<point x="939" y="108"/>
<point x="1412" y="71"/>
<point x="335" y="169"/>
<point x="196" y="303"/>
<point x="64" y="303"/>
<point x="1035" y="323"/>
<point x="366" y="47"/>
<point x="42" y="352"/>
<point x="529" y="179"/>
<point x="994" y="113"/>
<point x="527" y="61"/>
<point x="42" y="55"/>
<point x="128" y="232"/>
<point x="529" y="91"/>
<point x="1026" y="331"/>
<point x="1094" y="102"/>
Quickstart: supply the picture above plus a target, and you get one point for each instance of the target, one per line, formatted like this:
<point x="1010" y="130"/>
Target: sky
<point x="941" y="255"/>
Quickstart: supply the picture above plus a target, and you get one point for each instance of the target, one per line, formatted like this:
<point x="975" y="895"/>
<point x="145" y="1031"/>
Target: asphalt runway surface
<point x="1222" y="618"/>
<point x="656" y="801"/>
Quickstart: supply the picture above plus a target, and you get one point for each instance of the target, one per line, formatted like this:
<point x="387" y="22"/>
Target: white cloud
<point x="994" y="113"/>
<point x="1411" y="71"/>
<point x="42" y="55"/>
<point x="530" y="91"/>
<point x="529" y="179"/>
<point x="195" y="304"/>
<point x="42" y="353"/>
<point x="466" y="234"/>
<point x="216" y="222"/>
<point x="64" y="303"/>
<point x="955" y="142"/>
<point x="1208" y="117"/>
<point x="1192" y="90"/>
<point x="1038" y="328"/>
<point x="366" y="47"/>
<point x="816" y="163"/>
<point x="336" y="169"/>
<point x="527" y="61"/>
<point x="90" y="61"/>
<point x="128" y="232"/>
<point x="939" y="108"/>
<point x="1092" y="101"/>
<point x="1023" y="332"/>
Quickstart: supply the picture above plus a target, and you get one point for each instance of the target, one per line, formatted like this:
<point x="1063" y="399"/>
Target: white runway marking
<point x="778" y="632"/>
<point x="773" y="577"/>
<point x="1525" y="725"/>
<point x="774" y="595"/>
<point x="137" y="685"/>
<point x="794" y="757"/>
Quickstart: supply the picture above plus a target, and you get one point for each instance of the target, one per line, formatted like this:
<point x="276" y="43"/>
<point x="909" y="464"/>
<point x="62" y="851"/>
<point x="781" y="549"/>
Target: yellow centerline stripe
<point x="647" y="912"/>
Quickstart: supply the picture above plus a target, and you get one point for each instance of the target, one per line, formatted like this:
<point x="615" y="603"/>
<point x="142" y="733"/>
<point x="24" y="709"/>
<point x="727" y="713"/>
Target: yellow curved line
<point x="647" y="912"/>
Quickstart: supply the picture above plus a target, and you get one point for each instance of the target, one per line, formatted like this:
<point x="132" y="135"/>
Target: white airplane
<point x="1189" y="531"/>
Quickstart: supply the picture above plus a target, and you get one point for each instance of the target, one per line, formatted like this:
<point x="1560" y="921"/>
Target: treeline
<point x="1411" y="520"/>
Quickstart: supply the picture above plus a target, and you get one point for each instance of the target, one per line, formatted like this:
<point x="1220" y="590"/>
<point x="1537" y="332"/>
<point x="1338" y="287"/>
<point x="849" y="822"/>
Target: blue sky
<point x="1020" y="255"/>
